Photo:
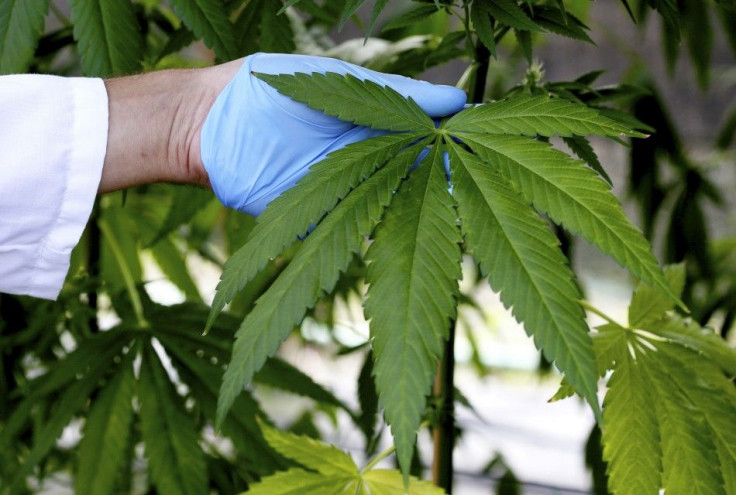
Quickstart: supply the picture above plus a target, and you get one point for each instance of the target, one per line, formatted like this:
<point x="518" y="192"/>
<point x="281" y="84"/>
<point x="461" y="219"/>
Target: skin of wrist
<point x="155" y="123"/>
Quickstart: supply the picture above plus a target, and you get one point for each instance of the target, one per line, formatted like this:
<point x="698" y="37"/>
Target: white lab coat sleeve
<point x="53" y="137"/>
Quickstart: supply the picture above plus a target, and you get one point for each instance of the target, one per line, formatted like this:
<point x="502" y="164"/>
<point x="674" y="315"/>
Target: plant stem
<point x="93" y="267"/>
<point x="444" y="433"/>
<point x="483" y="59"/>
<point x="444" y="388"/>
<point x="378" y="459"/>
<point x="586" y="305"/>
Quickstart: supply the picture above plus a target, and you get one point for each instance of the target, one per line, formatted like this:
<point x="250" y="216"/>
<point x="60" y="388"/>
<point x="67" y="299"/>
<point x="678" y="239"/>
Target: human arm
<point x="219" y="127"/>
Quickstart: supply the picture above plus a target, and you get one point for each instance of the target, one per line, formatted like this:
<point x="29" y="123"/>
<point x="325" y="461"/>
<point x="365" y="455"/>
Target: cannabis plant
<point x="505" y="183"/>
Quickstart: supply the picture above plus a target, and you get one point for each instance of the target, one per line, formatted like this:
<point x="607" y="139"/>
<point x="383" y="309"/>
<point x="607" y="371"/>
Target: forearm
<point x="155" y="121"/>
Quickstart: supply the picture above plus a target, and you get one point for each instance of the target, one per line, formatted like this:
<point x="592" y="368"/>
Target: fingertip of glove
<point x="444" y="100"/>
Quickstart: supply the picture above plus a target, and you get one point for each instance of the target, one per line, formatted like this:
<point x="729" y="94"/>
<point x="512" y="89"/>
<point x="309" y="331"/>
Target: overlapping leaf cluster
<point x="670" y="408"/>
<point x="127" y="370"/>
<point x="330" y="471"/>
<point x="502" y="179"/>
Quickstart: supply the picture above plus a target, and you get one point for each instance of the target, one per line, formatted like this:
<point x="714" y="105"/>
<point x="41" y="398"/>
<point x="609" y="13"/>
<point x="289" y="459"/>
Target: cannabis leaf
<point x="314" y="270"/>
<point x="499" y="174"/>
<point x="209" y="22"/>
<point x="175" y="461"/>
<point x="360" y="102"/>
<point x="668" y="414"/>
<point x="573" y="196"/>
<point x="331" y="471"/>
<point x="107" y="432"/>
<point x="108" y="36"/>
<point x="21" y="24"/>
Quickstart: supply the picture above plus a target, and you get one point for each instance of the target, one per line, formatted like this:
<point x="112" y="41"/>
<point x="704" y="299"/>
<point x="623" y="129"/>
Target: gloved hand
<point x="256" y="143"/>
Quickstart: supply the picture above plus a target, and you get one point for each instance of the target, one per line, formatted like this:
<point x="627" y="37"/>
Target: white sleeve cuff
<point x="53" y="133"/>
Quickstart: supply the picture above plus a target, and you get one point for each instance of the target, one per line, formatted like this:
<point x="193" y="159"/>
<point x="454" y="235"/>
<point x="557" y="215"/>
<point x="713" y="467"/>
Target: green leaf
<point x="361" y="102"/>
<point x="300" y="482"/>
<point x="279" y="374"/>
<point x="351" y="7"/>
<point x="315" y="268"/>
<point x="552" y="19"/>
<point x="521" y="257"/>
<point x="377" y="8"/>
<point x="689" y="458"/>
<point x="21" y="24"/>
<point x="317" y="193"/>
<point x="411" y="17"/>
<point x="573" y="196"/>
<point x="509" y="13"/>
<point x="699" y="39"/>
<point x="107" y="432"/>
<point x="631" y="441"/>
<point x="368" y="398"/>
<point x="610" y="344"/>
<point x="480" y="14"/>
<point x="668" y="9"/>
<point x="204" y="376"/>
<point x="108" y="36"/>
<point x="171" y="261"/>
<point x="582" y="148"/>
<point x="414" y="266"/>
<point x="317" y="456"/>
<point x="649" y="305"/>
<point x="689" y="334"/>
<point x="536" y="115"/>
<point x="711" y="393"/>
<point x="208" y="20"/>
<point x="186" y="202"/>
<point x="336" y="472"/>
<point x="389" y="482"/>
<point x="70" y="402"/>
<point x="277" y="35"/>
<point x="524" y="38"/>
<point x="175" y="460"/>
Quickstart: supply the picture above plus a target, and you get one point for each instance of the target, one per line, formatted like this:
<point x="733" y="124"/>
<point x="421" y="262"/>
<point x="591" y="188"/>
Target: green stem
<point x="586" y="305"/>
<point x="93" y="267"/>
<point x="378" y="459"/>
<point x="135" y="298"/>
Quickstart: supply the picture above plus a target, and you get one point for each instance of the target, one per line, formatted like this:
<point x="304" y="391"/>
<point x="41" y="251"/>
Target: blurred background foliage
<point x="112" y="388"/>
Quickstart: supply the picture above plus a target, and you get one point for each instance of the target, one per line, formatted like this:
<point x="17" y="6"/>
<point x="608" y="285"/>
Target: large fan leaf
<point x="317" y="193"/>
<point x="315" y="268"/>
<point x="520" y="256"/>
<point x="536" y="115"/>
<point x="108" y="36"/>
<point x="176" y="462"/>
<point x="106" y="435"/>
<point x="361" y="102"/>
<point x="21" y="23"/>
<point x="208" y="20"/>
<point x="203" y="377"/>
<point x="413" y="272"/>
<point x="572" y="195"/>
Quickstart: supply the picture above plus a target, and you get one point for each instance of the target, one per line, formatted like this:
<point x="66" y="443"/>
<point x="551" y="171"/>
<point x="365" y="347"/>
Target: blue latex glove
<point x="257" y="143"/>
